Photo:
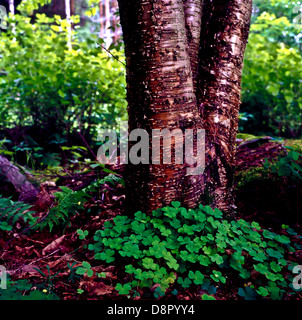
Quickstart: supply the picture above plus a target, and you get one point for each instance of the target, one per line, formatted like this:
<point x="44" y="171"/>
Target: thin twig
<point x="32" y="262"/>
<point x="108" y="51"/>
<point x="84" y="140"/>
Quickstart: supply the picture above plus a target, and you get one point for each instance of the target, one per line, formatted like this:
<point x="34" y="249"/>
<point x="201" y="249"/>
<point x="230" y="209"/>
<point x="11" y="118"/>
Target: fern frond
<point x="69" y="202"/>
<point x="12" y="211"/>
<point x="111" y="178"/>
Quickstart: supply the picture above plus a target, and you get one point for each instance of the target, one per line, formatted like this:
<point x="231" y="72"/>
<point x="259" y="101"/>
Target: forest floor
<point x="24" y="253"/>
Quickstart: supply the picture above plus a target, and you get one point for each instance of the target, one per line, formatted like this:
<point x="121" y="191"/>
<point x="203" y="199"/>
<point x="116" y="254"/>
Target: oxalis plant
<point x="177" y="248"/>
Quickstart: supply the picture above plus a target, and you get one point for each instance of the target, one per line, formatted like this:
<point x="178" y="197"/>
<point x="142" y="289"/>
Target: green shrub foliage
<point x="271" y="86"/>
<point x="45" y="83"/>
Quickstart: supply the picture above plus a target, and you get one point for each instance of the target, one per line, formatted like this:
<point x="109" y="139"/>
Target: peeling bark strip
<point x="225" y="29"/>
<point x="160" y="95"/>
<point x="193" y="11"/>
<point x="183" y="63"/>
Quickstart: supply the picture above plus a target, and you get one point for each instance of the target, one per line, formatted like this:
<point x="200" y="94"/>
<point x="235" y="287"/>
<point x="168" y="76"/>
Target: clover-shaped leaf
<point x="274" y="253"/>
<point x="193" y="247"/>
<point x="204" y="260"/>
<point x="186" y="256"/>
<point x="248" y="293"/>
<point x="183" y="240"/>
<point x="259" y="256"/>
<point x="208" y="210"/>
<point x="148" y="263"/>
<point x="130" y="269"/>
<point x="184" y="282"/>
<point x="165" y="232"/>
<point x="175" y="204"/>
<point x="82" y="234"/>
<point x="159" y="292"/>
<point x="210" y="236"/>
<point x="106" y="255"/>
<point x="186" y="229"/>
<point x="187" y="214"/>
<point x="261" y="268"/>
<point x="207" y="250"/>
<point x="275" y="266"/>
<point x="171" y="261"/>
<point x="157" y="250"/>
<point x="199" y="216"/>
<point x="262" y="291"/>
<point x="85" y="268"/>
<point x="217" y="258"/>
<point x="197" y="277"/>
<point x="217" y="276"/>
<point x="175" y="223"/>
<point x="142" y="217"/>
<point x="123" y="289"/>
<point x="138" y="227"/>
<point x="170" y="212"/>
<point x="268" y="234"/>
<point x="256" y="225"/>
<point x="173" y="264"/>
<point x="244" y="274"/>
<point x="217" y="213"/>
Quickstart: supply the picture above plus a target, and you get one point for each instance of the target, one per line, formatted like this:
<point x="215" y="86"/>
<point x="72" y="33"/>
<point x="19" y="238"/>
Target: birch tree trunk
<point x="68" y="19"/>
<point x="107" y="24"/>
<point x="183" y="64"/>
<point x="11" y="7"/>
<point x="193" y="11"/>
<point x="160" y="95"/>
<point x="225" y="29"/>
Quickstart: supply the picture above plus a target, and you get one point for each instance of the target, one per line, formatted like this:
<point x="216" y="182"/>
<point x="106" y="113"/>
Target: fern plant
<point x="111" y="178"/>
<point x="68" y="202"/>
<point x="12" y="211"/>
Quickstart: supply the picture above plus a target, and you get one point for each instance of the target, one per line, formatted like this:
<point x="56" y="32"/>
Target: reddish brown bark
<point x="193" y="11"/>
<point x="225" y="28"/>
<point x="177" y="51"/>
<point x="160" y="95"/>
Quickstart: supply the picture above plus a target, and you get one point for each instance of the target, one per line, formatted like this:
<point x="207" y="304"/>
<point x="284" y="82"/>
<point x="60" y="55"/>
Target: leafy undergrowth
<point x="175" y="249"/>
<point x="268" y="186"/>
<point x="94" y="252"/>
